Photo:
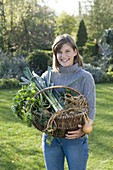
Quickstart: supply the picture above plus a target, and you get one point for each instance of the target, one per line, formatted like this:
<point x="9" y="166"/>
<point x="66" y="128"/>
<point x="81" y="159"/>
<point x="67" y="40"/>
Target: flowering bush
<point x="96" y="72"/>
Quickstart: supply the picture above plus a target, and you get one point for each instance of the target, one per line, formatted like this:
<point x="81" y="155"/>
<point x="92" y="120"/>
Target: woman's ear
<point x="76" y="52"/>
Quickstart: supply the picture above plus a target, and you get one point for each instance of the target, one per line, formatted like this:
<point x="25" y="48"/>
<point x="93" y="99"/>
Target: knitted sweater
<point x="79" y="79"/>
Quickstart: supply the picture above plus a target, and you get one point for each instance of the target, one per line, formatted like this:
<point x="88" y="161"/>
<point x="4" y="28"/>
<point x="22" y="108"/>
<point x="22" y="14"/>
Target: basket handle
<point x="56" y="87"/>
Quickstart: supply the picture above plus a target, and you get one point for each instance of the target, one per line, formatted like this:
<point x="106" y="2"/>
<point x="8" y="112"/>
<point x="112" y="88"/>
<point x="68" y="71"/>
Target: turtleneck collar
<point x="69" y="69"/>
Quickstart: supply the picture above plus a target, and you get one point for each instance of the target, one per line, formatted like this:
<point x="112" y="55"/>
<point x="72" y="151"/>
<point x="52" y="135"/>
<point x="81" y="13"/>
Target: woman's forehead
<point x="66" y="45"/>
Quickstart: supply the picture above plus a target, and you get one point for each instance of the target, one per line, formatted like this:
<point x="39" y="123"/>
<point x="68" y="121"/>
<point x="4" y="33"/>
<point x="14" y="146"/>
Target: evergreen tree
<point x="82" y="34"/>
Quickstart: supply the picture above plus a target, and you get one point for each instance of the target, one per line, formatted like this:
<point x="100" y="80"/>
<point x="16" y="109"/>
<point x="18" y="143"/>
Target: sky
<point x="70" y="6"/>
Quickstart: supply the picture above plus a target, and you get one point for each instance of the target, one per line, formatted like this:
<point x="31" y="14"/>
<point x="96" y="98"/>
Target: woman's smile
<point x="66" y="55"/>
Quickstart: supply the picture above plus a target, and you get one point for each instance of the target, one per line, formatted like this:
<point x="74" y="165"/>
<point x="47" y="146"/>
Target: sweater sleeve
<point x="90" y="95"/>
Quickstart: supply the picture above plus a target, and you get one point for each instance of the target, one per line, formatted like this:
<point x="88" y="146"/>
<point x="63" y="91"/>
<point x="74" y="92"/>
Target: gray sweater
<point x="79" y="79"/>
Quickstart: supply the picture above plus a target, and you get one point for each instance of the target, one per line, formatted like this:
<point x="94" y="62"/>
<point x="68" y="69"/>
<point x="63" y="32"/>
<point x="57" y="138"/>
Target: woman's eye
<point x="60" y="52"/>
<point x="67" y="51"/>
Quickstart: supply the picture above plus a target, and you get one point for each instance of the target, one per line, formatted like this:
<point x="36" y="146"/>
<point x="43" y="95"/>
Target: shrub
<point x="110" y="70"/>
<point x="39" y="60"/>
<point x="107" y="78"/>
<point x="9" y="83"/>
<point x="11" y="67"/>
<point x="90" y="54"/>
<point x="99" y="75"/>
<point x="96" y="72"/>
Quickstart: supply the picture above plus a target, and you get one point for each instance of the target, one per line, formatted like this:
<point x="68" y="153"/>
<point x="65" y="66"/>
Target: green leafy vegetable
<point x="25" y="101"/>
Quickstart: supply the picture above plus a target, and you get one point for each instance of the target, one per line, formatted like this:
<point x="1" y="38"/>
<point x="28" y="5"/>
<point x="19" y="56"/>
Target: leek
<point x="40" y="84"/>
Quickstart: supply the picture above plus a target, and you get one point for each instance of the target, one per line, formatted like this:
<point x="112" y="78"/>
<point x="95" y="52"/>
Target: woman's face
<point x="66" y="55"/>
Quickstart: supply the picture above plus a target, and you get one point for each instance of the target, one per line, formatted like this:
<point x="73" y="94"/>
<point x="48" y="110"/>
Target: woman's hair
<point x="57" y="45"/>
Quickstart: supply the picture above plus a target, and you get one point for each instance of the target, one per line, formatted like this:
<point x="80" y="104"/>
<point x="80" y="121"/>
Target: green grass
<point x="101" y="140"/>
<point x="20" y="146"/>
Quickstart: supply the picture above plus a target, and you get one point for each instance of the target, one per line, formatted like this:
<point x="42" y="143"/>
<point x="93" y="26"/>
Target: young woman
<point x="67" y="69"/>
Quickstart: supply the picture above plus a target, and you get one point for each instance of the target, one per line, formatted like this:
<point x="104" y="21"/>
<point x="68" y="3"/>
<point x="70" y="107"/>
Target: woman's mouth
<point x="64" y="60"/>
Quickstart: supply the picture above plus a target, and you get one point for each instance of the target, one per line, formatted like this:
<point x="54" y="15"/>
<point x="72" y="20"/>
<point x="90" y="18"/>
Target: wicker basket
<point x="59" y="123"/>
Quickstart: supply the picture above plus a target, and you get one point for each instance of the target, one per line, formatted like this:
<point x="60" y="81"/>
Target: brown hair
<point x="57" y="45"/>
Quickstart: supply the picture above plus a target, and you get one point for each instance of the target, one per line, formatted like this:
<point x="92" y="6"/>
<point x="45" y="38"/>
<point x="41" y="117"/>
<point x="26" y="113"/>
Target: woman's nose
<point x="63" y="55"/>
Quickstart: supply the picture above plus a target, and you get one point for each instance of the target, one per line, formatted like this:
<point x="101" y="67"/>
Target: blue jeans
<point x="75" y="151"/>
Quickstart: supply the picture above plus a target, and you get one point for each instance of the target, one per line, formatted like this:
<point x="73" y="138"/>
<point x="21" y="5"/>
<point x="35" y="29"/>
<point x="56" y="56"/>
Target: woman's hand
<point x="75" y="134"/>
<point x="78" y="133"/>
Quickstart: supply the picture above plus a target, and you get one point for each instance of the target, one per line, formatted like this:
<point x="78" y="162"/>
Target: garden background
<point x="27" y="31"/>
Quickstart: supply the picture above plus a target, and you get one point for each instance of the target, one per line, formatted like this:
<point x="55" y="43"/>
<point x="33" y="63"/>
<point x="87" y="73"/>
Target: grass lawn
<point x="20" y="146"/>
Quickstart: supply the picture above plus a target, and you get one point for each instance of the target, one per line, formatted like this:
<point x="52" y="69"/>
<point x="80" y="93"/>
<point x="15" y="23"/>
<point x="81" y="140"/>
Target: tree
<point x="26" y="25"/>
<point x="100" y="18"/>
<point x="82" y="34"/>
<point x="3" y="27"/>
<point x="65" y="23"/>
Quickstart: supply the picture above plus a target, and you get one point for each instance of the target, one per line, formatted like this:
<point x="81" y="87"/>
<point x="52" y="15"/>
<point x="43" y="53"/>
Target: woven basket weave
<point x="59" y="123"/>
